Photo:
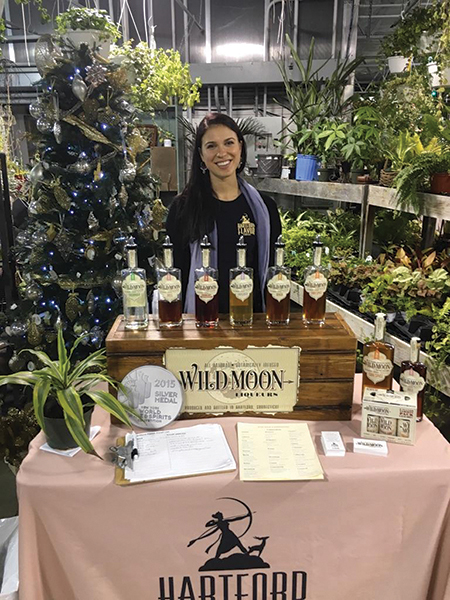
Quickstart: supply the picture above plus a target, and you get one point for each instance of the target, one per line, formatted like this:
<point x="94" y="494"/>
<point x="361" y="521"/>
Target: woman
<point x="219" y="203"/>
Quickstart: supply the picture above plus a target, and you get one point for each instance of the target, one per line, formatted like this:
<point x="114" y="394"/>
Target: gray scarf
<point x="262" y="218"/>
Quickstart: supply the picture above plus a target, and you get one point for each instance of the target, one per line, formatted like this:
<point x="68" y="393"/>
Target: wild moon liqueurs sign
<point x="230" y="380"/>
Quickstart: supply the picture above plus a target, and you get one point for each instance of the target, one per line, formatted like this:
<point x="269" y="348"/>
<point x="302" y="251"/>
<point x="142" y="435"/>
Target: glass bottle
<point x="134" y="290"/>
<point x="206" y="290"/>
<point x="413" y="375"/>
<point x="241" y="288"/>
<point x="169" y="288"/>
<point x="378" y="358"/>
<point x="278" y="289"/>
<point x="315" y="287"/>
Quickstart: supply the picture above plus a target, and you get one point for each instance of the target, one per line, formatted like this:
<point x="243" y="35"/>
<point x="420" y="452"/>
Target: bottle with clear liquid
<point x="206" y="289"/>
<point x="169" y="288"/>
<point x="134" y="290"/>
<point x="241" y="288"/>
<point x="378" y="358"/>
<point x="315" y="286"/>
<point x="278" y="289"/>
<point x="413" y="375"/>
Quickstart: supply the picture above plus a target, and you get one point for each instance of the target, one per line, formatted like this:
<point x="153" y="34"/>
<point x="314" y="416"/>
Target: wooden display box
<point x="327" y="360"/>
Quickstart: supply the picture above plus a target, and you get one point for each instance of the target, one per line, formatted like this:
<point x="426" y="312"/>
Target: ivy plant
<point x="160" y="76"/>
<point x="88" y="18"/>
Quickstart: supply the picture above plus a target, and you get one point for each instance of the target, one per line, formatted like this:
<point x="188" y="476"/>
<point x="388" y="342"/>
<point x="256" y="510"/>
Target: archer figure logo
<point x="228" y="538"/>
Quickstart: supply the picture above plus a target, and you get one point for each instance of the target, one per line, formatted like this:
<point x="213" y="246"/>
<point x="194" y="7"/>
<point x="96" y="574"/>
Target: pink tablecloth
<point x="376" y="529"/>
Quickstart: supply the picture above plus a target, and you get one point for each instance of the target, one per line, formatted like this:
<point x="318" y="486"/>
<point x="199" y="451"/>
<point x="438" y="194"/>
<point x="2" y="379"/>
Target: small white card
<point x="375" y="447"/>
<point x="332" y="443"/>
<point x="93" y="432"/>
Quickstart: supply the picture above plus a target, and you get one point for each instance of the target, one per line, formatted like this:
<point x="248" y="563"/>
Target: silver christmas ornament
<point x="90" y="301"/>
<point x="33" y="291"/>
<point x="23" y="238"/>
<point x="82" y="166"/>
<point x="39" y="237"/>
<point x="79" y="88"/>
<point x="16" y="363"/>
<point x="36" y="109"/>
<point x="96" y="74"/>
<point x="91" y="253"/>
<point x="116" y="283"/>
<point x="44" y="124"/>
<point x="92" y="222"/>
<point x="57" y="132"/>
<point x="46" y="54"/>
<point x="97" y="335"/>
<point x="36" y="319"/>
<point x="36" y="174"/>
<point x="34" y="208"/>
<point x="18" y="328"/>
<point x="128" y="173"/>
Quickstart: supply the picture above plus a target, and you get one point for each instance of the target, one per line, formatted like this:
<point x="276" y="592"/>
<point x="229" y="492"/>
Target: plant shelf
<point x="363" y="329"/>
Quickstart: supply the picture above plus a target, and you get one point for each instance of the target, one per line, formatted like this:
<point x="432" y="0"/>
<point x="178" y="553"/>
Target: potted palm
<point x="88" y="26"/>
<point x="64" y="395"/>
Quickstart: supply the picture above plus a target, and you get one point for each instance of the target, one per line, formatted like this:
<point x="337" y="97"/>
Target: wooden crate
<point x="327" y="362"/>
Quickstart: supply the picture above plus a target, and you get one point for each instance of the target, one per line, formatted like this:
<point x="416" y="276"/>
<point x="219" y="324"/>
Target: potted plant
<point x="363" y="147"/>
<point x="89" y="26"/>
<point x="417" y="177"/>
<point x="400" y="150"/>
<point x="311" y="101"/>
<point x="330" y="137"/>
<point x="64" y="394"/>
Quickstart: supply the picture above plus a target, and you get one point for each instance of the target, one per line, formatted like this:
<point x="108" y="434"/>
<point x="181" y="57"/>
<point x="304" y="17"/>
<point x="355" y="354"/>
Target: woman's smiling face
<point x="221" y="151"/>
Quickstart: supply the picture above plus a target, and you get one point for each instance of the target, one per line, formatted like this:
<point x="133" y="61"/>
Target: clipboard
<point x="189" y="452"/>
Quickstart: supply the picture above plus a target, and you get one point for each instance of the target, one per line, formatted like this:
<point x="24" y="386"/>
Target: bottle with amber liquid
<point x="413" y="375"/>
<point x="169" y="288"/>
<point x="278" y="289"/>
<point x="378" y="358"/>
<point x="241" y="288"/>
<point x="206" y="289"/>
<point x="315" y="288"/>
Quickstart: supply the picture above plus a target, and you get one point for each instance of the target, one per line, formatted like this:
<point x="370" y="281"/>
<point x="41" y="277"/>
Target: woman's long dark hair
<point x="197" y="210"/>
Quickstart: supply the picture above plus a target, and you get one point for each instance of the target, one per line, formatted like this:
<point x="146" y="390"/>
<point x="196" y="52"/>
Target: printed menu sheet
<point x="278" y="452"/>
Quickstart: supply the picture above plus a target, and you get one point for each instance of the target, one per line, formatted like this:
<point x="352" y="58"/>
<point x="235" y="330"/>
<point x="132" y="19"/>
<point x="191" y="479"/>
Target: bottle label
<point x="377" y="366"/>
<point x="169" y="288"/>
<point x="279" y="286"/>
<point x="206" y="288"/>
<point x="411" y="381"/>
<point x="316" y="285"/>
<point x="242" y="286"/>
<point x="134" y="291"/>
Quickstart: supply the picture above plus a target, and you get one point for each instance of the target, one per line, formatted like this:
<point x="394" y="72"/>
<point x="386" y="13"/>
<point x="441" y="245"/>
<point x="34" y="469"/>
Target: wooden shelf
<point x="434" y="206"/>
<point x="337" y="192"/>
<point x="363" y="330"/>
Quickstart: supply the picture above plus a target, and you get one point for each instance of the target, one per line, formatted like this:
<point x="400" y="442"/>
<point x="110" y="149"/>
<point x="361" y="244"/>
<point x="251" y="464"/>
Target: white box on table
<point x="389" y="415"/>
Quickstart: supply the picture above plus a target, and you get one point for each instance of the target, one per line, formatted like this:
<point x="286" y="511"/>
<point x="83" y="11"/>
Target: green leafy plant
<point x="248" y="126"/>
<point x="393" y="227"/>
<point x="364" y="146"/>
<point x="71" y="386"/>
<point x="416" y="178"/>
<point x="313" y="99"/>
<point x="160" y="76"/>
<point x="88" y="18"/>
<point x="325" y="139"/>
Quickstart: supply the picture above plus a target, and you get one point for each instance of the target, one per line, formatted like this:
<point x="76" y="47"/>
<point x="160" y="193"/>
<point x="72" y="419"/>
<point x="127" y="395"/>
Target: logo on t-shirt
<point x="245" y="227"/>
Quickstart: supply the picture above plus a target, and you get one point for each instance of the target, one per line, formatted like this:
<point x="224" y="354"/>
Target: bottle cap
<point x="241" y="243"/>
<point x="205" y="243"/>
<point x="167" y="245"/>
<point x="280" y="243"/>
<point x="318" y="242"/>
<point x="130" y="244"/>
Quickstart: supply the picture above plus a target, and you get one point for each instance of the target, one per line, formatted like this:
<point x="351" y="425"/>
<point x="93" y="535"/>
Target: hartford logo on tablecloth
<point x="234" y="550"/>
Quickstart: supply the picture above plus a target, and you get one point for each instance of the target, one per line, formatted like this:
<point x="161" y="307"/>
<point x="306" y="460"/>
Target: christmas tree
<point x="92" y="189"/>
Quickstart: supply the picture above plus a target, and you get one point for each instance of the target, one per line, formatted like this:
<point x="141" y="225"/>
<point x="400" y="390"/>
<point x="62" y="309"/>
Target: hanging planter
<point x="439" y="78"/>
<point x="398" y="64"/>
<point x="428" y="43"/>
<point x="91" y="37"/>
<point x="88" y="26"/>
<point x="306" y="167"/>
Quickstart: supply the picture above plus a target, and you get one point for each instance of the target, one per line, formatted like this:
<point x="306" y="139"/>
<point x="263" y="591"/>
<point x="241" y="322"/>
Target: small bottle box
<point x="389" y="416"/>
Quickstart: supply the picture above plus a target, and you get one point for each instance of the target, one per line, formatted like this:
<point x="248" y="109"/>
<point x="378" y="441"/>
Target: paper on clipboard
<point x="183" y="452"/>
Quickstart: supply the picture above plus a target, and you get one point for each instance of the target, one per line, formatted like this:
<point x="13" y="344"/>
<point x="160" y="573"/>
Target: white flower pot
<point x="91" y="37"/>
<point x="397" y="64"/>
<point x="439" y="79"/>
<point x="429" y="43"/>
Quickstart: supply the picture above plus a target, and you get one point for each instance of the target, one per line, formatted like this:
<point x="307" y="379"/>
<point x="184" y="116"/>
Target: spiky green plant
<point x="67" y="382"/>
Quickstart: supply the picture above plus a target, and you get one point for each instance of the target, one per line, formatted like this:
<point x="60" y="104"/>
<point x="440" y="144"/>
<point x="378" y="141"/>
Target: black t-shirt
<point x="235" y="218"/>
